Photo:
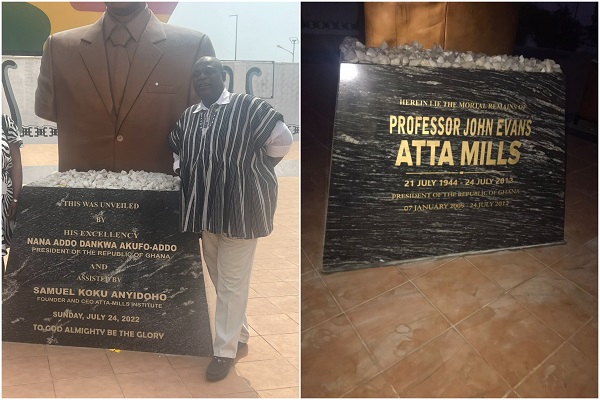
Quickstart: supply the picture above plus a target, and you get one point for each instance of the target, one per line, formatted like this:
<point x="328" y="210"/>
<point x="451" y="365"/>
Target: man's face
<point x="124" y="8"/>
<point x="208" y="78"/>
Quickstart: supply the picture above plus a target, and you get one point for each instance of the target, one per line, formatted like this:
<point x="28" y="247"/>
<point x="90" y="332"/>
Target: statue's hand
<point x="12" y="211"/>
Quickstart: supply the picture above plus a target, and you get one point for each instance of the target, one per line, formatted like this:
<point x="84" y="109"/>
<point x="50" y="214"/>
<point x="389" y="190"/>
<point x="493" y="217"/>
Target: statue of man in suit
<point x="116" y="88"/>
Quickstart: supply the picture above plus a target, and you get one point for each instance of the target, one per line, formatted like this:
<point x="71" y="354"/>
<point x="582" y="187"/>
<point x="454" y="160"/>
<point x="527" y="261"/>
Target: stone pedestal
<point x="105" y="268"/>
<point x="435" y="161"/>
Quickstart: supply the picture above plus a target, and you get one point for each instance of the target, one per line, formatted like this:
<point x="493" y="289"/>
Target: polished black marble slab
<point x="105" y="268"/>
<point x="407" y="182"/>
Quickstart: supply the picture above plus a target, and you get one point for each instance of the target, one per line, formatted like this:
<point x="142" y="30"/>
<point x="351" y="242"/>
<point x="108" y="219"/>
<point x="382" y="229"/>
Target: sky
<point x="261" y="27"/>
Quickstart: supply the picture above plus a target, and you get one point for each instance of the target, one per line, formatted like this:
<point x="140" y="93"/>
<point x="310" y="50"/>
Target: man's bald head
<point x="208" y="76"/>
<point x="208" y="60"/>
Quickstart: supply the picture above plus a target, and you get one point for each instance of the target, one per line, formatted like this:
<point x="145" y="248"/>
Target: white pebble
<point x="415" y="55"/>
<point x="132" y="180"/>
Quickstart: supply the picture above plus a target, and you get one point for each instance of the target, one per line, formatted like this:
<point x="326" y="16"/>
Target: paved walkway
<point x="269" y="367"/>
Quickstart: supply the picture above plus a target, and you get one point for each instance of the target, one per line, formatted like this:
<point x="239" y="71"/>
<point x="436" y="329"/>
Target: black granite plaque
<point x="436" y="161"/>
<point x="105" y="268"/>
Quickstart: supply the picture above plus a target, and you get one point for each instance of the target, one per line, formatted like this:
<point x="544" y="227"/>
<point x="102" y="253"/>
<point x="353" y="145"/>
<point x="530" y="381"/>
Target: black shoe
<point x="218" y="368"/>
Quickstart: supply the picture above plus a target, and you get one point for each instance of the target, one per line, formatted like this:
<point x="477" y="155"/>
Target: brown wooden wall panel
<point x="479" y="27"/>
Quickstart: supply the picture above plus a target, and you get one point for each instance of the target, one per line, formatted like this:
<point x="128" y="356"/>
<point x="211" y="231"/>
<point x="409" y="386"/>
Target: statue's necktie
<point x="119" y="64"/>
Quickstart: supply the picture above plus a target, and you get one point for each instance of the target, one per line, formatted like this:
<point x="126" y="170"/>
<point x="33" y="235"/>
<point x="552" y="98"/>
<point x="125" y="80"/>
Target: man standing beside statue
<point x="116" y="88"/>
<point x="225" y="151"/>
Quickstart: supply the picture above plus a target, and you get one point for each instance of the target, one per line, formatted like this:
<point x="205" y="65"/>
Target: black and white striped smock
<point x="228" y="184"/>
<point x="10" y="135"/>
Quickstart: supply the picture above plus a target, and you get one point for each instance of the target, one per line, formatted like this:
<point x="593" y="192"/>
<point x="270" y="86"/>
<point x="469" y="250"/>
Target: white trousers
<point x="229" y="264"/>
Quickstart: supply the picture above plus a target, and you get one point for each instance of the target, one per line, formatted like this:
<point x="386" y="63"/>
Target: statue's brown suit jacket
<point x="74" y="91"/>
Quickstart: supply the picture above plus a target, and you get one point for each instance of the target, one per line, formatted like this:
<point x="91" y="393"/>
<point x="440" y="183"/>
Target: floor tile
<point x="252" y="331"/>
<point x="586" y="340"/>
<point x="312" y="242"/>
<point x="18" y="350"/>
<point x="99" y="386"/>
<point x="31" y="390"/>
<point x="457" y="289"/>
<point x="245" y="395"/>
<point x="305" y="263"/>
<point x="575" y="163"/>
<point x="334" y="360"/>
<point x="377" y="387"/>
<point x="252" y="294"/>
<point x="560" y="304"/>
<point x="288" y="223"/>
<point x="162" y="383"/>
<point x="20" y="371"/>
<point x="309" y="275"/>
<point x="446" y="367"/>
<point x="352" y="288"/>
<point x="135" y="361"/>
<point x="259" y="349"/>
<point x="262" y="276"/>
<point x="272" y="324"/>
<point x="276" y="289"/>
<point x="195" y="381"/>
<point x="565" y="374"/>
<point x="574" y="193"/>
<point x="286" y="275"/>
<point x="510" y="338"/>
<point x="274" y="258"/>
<point x="177" y="361"/>
<point x="269" y="374"/>
<point x="396" y="323"/>
<point x="317" y="302"/>
<point x="286" y="344"/>
<point x="287" y="304"/>
<point x="586" y="179"/>
<point x="581" y="268"/>
<point x="507" y="268"/>
<point x="414" y="269"/>
<point x="592" y="245"/>
<point x="79" y="365"/>
<point x="581" y="220"/>
<point x="285" y="393"/>
<point x="578" y="188"/>
<point x="551" y="254"/>
<point x="295" y="317"/>
<point x="261" y="306"/>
